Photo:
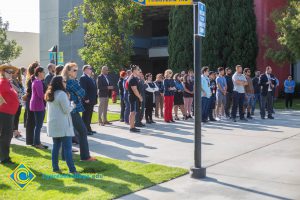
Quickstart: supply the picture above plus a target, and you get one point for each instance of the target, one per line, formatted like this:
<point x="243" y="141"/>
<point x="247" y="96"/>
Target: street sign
<point x="164" y="2"/>
<point x="52" y="57"/>
<point x="60" y="58"/>
<point x="201" y="19"/>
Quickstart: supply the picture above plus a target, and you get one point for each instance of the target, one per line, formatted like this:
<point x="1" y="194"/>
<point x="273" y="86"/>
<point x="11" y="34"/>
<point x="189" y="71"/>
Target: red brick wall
<point x="265" y="27"/>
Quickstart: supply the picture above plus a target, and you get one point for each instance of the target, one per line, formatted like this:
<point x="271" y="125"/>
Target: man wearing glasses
<point x="90" y="99"/>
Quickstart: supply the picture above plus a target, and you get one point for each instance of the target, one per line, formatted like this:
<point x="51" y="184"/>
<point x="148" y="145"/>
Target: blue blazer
<point x="89" y="85"/>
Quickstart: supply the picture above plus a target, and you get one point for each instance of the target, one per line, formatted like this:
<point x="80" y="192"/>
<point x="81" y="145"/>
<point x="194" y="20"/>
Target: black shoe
<point x="213" y="120"/>
<point x="139" y="125"/>
<point x="249" y="117"/>
<point x="90" y="133"/>
<point x="7" y="161"/>
<point x="233" y="119"/>
<point x="270" y="117"/>
<point x="205" y="121"/>
<point x="153" y="122"/>
<point x="172" y="120"/>
<point x="148" y="122"/>
<point x="244" y="119"/>
<point x="135" y="130"/>
<point x="94" y="132"/>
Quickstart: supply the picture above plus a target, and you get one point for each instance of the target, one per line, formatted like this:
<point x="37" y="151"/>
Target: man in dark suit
<point x="267" y="82"/>
<point x="90" y="99"/>
<point x="104" y="89"/>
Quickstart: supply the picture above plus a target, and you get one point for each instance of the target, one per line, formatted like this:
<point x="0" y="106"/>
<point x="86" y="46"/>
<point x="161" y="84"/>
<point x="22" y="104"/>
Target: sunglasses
<point x="9" y="71"/>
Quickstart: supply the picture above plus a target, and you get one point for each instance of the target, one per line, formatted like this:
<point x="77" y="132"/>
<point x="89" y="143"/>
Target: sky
<point x="22" y="15"/>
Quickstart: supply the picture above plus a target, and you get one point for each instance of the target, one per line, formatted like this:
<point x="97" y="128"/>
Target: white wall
<point x="30" y="43"/>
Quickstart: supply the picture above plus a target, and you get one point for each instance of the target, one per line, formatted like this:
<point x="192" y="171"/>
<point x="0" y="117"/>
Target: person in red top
<point x="9" y="105"/>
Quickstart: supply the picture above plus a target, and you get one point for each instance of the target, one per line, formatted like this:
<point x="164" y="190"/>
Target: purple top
<point x="37" y="99"/>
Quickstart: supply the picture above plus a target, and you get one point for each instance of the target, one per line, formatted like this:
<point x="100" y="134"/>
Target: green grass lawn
<point x="119" y="177"/>
<point x="110" y="117"/>
<point x="280" y="104"/>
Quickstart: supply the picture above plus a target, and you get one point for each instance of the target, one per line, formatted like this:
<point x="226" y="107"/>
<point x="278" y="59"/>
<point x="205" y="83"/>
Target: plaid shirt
<point x="77" y="94"/>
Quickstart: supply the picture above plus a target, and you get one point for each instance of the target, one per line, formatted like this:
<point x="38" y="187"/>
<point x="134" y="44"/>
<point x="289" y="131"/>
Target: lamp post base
<point x="198" y="172"/>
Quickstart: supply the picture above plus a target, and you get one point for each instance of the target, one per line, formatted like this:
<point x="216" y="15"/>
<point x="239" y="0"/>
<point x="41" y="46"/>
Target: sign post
<point x="197" y="171"/>
<point x="199" y="31"/>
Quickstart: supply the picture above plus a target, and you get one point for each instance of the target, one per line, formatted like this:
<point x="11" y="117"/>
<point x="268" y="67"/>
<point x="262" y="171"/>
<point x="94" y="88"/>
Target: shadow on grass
<point x="115" y="182"/>
<point x="4" y="186"/>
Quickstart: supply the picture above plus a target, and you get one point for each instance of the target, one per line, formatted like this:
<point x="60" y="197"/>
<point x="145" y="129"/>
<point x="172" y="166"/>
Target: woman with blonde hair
<point x="8" y="108"/>
<point x="77" y="94"/>
<point x="169" y="91"/>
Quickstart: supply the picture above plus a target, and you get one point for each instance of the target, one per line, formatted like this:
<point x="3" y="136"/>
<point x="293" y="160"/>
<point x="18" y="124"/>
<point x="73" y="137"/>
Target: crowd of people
<point x="64" y="96"/>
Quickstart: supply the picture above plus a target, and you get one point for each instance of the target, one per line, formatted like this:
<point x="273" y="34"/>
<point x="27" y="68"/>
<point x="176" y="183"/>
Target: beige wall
<point x="30" y="44"/>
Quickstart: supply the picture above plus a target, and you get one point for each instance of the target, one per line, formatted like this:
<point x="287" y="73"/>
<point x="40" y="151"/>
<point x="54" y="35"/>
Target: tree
<point x="242" y="34"/>
<point x="9" y="50"/>
<point x="109" y="25"/>
<point x="287" y="22"/>
<point x="181" y="38"/>
<point x="230" y="35"/>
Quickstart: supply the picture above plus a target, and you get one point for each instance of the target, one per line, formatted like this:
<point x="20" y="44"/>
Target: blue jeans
<point x="127" y="108"/>
<point x="238" y="101"/>
<point x="256" y="99"/>
<point x="205" y="108"/>
<point x="39" y="120"/>
<point x="82" y="136"/>
<point x="66" y="142"/>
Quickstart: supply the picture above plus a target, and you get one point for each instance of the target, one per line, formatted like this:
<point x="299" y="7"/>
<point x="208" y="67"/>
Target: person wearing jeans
<point x="205" y="94"/>
<point x="60" y="126"/>
<point x="37" y="105"/>
<point x="257" y="90"/>
<point x="76" y="92"/>
<point x="239" y="83"/>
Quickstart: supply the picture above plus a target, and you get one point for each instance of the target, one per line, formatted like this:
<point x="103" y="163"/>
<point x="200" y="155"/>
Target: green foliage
<point x="242" y="34"/>
<point x="181" y="38"/>
<point x="9" y="50"/>
<point x="230" y="35"/>
<point x="109" y="25"/>
<point x="287" y="21"/>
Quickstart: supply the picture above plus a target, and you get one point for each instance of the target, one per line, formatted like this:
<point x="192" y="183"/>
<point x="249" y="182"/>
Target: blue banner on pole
<point x="201" y="19"/>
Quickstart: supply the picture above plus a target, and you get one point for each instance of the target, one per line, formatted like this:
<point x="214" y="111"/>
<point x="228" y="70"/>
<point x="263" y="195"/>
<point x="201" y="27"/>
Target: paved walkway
<point x="257" y="160"/>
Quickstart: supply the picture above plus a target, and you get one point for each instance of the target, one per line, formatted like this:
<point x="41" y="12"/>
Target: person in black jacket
<point x="267" y="82"/>
<point x="121" y="93"/>
<point x="150" y="90"/>
<point x="257" y="91"/>
<point x="104" y="89"/>
<point x="90" y="99"/>
<point x="229" y="95"/>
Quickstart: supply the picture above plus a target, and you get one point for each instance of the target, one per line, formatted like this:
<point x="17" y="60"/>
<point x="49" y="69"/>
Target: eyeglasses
<point x="9" y="71"/>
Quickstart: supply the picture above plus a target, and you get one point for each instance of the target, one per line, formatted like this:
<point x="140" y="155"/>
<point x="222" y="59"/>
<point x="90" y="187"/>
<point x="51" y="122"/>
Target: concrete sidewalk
<point x="258" y="159"/>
